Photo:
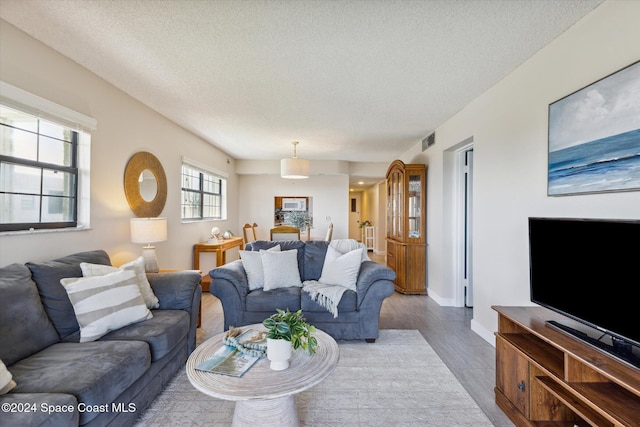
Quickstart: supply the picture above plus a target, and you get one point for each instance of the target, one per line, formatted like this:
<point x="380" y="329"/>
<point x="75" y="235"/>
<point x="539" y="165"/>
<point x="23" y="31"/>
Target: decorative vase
<point x="279" y="352"/>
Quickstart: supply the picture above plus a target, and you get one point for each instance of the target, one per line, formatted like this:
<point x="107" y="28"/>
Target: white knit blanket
<point x="327" y="296"/>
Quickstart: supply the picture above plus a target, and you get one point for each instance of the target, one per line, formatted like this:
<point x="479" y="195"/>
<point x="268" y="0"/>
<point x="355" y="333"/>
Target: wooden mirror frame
<point x="137" y="164"/>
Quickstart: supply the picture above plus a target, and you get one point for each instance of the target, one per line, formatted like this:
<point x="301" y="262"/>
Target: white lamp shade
<point x="294" y="168"/>
<point x="148" y="230"/>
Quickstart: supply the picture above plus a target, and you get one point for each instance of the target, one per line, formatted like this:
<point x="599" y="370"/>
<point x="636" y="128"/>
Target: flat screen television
<point x="589" y="271"/>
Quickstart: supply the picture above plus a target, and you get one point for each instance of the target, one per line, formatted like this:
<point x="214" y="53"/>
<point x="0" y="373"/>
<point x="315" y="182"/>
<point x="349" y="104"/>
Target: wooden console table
<point x="220" y="248"/>
<point x="546" y="377"/>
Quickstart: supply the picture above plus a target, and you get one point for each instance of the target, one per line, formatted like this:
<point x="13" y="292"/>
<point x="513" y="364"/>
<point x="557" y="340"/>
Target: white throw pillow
<point x="105" y="303"/>
<point x="252" y="263"/>
<point x="347" y="245"/>
<point x="6" y="379"/>
<point x="341" y="269"/>
<point x="280" y="269"/>
<point x="137" y="265"/>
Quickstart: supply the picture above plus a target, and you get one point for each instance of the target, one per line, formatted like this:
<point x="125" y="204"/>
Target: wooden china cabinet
<point x="406" y="226"/>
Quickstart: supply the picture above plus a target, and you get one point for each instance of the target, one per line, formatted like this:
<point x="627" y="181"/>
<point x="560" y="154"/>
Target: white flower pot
<point x="279" y="352"/>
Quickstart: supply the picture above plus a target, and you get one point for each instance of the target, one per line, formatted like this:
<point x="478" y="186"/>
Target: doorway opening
<point x="462" y="222"/>
<point x="355" y="203"/>
<point x="467" y="226"/>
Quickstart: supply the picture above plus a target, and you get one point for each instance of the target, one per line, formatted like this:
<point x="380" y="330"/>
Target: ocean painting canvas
<point x="594" y="137"/>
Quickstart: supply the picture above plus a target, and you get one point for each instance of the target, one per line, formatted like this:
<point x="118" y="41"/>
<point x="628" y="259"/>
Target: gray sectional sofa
<point x="107" y="382"/>
<point x="358" y="311"/>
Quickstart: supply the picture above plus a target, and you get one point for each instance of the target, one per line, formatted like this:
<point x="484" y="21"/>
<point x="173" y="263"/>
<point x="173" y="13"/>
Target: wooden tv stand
<point x="545" y="377"/>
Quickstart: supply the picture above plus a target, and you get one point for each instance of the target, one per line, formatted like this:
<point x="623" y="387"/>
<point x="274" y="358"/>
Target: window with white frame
<point x="44" y="163"/>
<point x="204" y="193"/>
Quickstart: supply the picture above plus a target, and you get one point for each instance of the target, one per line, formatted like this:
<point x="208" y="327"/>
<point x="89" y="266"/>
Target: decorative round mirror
<point x="145" y="185"/>
<point x="148" y="185"/>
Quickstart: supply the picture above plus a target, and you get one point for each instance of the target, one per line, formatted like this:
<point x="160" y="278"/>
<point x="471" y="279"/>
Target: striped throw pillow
<point x="6" y="379"/>
<point x="105" y="303"/>
<point x="137" y="265"/>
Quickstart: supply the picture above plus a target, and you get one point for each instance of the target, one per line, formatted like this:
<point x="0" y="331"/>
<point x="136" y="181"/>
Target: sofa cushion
<point x="24" y="326"/>
<point x="137" y="265"/>
<point x="269" y="301"/>
<point x="163" y="332"/>
<point x="106" y="303"/>
<point x="280" y="269"/>
<point x="314" y="254"/>
<point x="47" y="276"/>
<point x="96" y="373"/>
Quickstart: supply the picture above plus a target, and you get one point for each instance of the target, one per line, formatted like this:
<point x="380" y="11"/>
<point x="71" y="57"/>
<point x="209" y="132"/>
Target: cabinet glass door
<point x="394" y="207"/>
<point x="415" y="206"/>
<point x="398" y="181"/>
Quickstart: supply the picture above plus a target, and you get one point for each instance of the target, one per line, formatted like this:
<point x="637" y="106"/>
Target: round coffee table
<point x="263" y="396"/>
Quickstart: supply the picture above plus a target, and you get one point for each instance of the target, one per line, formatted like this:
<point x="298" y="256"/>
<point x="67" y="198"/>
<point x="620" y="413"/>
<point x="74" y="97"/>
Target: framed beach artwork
<point x="594" y="137"/>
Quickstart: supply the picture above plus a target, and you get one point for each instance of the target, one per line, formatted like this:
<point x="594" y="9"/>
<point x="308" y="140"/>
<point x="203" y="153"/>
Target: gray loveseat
<point x="358" y="312"/>
<point x="64" y="382"/>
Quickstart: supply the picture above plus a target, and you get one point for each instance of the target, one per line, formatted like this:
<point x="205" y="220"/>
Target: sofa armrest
<point x="179" y="290"/>
<point x="234" y="273"/>
<point x="175" y="290"/>
<point x="229" y="284"/>
<point x="371" y="272"/>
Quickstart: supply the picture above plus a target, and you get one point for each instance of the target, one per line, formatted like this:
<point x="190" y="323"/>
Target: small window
<point x="38" y="172"/>
<point x="203" y="194"/>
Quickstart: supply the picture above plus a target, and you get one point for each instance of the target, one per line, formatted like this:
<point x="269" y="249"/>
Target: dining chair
<point x="329" y="232"/>
<point x="284" y="232"/>
<point x="249" y="232"/>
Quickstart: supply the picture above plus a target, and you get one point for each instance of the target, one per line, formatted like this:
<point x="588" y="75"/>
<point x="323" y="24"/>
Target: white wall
<point x="329" y="193"/>
<point x="124" y="127"/>
<point x="509" y="128"/>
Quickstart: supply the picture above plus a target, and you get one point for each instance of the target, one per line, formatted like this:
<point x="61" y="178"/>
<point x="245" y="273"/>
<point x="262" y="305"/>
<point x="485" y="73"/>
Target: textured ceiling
<point x="351" y="80"/>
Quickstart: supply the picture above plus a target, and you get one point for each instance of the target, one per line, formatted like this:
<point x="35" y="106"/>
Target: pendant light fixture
<point x="294" y="168"/>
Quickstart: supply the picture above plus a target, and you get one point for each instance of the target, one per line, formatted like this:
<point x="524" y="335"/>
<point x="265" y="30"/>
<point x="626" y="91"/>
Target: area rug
<point x="398" y="380"/>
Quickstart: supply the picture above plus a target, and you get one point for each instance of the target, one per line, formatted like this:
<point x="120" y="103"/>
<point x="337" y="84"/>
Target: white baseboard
<point x="485" y="334"/>
<point x="442" y="302"/>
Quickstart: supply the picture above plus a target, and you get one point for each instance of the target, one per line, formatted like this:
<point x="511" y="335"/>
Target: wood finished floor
<point x="446" y="329"/>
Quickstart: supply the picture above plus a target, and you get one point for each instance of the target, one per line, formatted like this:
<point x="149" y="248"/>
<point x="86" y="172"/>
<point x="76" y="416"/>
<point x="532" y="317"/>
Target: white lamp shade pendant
<point x="149" y="230"/>
<point x="294" y="168"/>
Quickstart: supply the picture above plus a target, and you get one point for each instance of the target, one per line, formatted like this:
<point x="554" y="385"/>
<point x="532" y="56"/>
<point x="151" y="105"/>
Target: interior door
<point x="355" y="200"/>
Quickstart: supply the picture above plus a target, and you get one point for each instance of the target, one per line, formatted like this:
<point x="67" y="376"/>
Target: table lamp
<point x="149" y="230"/>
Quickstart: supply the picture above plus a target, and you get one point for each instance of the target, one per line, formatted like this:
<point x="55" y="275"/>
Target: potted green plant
<point x="300" y="220"/>
<point x="365" y="223"/>
<point x="287" y="331"/>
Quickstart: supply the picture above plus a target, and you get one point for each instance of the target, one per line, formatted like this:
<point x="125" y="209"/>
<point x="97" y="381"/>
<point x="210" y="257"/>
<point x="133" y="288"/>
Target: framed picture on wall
<point x="594" y="137"/>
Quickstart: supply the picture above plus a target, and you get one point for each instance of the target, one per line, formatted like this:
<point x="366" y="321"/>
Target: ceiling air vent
<point x="428" y="141"/>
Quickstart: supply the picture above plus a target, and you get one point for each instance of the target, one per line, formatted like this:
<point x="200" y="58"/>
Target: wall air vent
<point x="429" y="141"/>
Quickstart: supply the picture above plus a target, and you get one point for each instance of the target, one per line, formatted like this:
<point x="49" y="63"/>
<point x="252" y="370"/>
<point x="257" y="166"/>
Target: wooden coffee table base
<point x="263" y="396"/>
